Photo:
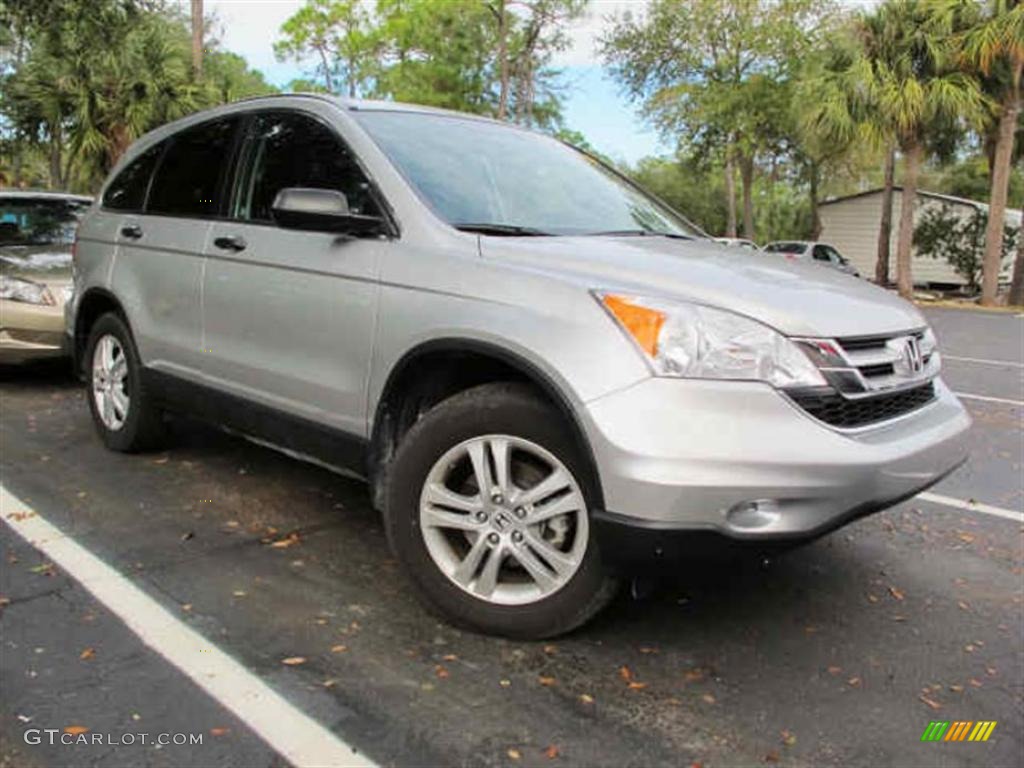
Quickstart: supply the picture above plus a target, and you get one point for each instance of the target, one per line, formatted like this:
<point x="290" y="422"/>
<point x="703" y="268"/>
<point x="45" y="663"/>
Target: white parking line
<point x="987" y="399"/>
<point x="983" y="361"/>
<point x="293" y="734"/>
<point x="972" y="506"/>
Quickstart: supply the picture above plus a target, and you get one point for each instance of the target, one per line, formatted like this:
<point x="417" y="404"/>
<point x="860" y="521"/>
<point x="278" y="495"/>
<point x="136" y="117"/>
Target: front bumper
<point x="31" y="332"/>
<point x="741" y="460"/>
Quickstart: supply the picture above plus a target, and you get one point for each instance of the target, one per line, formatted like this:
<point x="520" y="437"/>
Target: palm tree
<point x="915" y="89"/>
<point x="994" y="46"/>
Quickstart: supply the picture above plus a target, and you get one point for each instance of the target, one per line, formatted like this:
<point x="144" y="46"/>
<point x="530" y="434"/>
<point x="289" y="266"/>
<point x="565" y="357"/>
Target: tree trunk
<point x="747" y="177"/>
<point x="56" y="179"/>
<point x="327" y="68"/>
<point x="885" y="229"/>
<point x="815" y="173"/>
<point x="911" y="168"/>
<point x="1016" y="297"/>
<point x="997" y="203"/>
<point x="503" y="64"/>
<point x="730" y="194"/>
<point x="197" y="38"/>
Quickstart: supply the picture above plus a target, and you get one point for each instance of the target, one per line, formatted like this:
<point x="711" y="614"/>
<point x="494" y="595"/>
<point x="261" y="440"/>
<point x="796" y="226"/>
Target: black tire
<point x="143" y="427"/>
<point x="500" y="408"/>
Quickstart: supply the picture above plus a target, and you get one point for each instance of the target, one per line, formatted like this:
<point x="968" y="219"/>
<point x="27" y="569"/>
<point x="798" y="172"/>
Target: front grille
<point x="834" y="409"/>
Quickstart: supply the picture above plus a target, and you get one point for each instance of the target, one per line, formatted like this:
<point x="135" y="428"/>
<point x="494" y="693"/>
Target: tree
<point x="959" y="240"/>
<point x="229" y="76"/>
<point x="336" y="33"/>
<point x="994" y="46"/>
<point x="709" y="74"/>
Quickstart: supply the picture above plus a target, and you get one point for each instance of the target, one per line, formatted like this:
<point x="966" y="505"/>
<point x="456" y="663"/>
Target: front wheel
<point x="487" y="509"/>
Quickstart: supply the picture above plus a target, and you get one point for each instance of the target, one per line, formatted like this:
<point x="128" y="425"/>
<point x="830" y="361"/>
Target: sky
<point x="593" y="102"/>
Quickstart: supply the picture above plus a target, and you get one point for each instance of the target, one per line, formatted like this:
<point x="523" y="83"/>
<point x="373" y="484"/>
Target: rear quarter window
<point x="127" y="192"/>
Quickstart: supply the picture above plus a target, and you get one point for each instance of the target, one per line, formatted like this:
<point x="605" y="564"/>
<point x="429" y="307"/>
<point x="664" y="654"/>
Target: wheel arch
<point x="460" y="363"/>
<point x="95" y="303"/>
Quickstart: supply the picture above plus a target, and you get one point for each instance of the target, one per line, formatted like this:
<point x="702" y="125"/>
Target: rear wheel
<point x="488" y="512"/>
<point x="122" y="410"/>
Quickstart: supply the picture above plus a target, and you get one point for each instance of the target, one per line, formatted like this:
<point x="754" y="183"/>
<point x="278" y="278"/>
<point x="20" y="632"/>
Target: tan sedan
<point x="36" y="235"/>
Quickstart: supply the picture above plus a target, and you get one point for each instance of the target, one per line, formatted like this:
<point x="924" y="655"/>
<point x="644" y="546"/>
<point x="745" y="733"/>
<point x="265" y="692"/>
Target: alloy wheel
<point x="504" y="519"/>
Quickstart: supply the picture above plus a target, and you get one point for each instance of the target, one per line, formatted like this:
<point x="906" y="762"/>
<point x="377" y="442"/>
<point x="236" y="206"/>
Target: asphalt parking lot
<point x="839" y="653"/>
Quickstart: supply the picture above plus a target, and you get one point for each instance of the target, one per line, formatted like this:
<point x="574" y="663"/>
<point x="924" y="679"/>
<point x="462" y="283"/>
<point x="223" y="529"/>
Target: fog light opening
<point x="754" y="514"/>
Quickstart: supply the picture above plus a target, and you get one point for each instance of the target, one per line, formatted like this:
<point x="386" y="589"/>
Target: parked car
<point x="818" y="253"/>
<point x="37" y="230"/>
<point x="542" y="372"/>
<point x="738" y="242"/>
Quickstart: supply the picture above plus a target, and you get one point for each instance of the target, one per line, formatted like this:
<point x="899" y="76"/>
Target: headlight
<point x="694" y="341"/>
<point x="16" y="289"/>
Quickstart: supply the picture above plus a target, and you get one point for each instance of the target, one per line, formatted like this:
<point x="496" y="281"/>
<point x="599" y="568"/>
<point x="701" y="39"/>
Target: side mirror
<point x="320" y="210"/>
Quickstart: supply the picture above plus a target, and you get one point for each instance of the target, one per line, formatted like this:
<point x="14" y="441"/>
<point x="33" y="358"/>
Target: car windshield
<point x="786" y="247"/>
<point x="39" y="221"/>
<point x="501" y="180"/>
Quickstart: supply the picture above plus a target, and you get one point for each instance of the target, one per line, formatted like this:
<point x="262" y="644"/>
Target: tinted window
<point x="188" y="179"/>
<point x="821" y="253"/>
<point x="127" y="192"/>
<point x="477" y="172"/>
<point x="39" y="220"/>
<point x="293" y="150"/>
<point x="785" y="247"/>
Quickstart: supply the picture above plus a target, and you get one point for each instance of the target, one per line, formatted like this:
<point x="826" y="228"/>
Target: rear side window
<point x="188" y="180"/>
<point x="821" y="253"/>
<point x="289" y="149"/>
<point x="127" y="192"/>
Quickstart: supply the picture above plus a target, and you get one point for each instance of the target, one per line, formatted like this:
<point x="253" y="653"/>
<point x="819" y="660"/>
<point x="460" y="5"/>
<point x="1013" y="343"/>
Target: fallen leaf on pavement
<point x="834" y="670"/>
<point x="504" y="683"/>
<point x="694" y="675"/>
<point x="288" y="541"/>
<point x="788" y="738"/>
<point x="219" y="731"/>
<point x="930" y="702"/>
<point x="441" y="672"/>
<point x="76" y="730"/>
<point x="239" y="593"/>
<point x="187" y="535"/>
<point x="635" y="686"/>
<point x="854" y="682"/>
<point x="772" y="757"/>
<point x="551" y="752"/>
<point x="896" y="593"/>
<point x="449" y="657"/>
<point x="514" y="754"/>
<point x="548" y="681"/>
<point x="88" y="653"/>
<point x="648" y="649"/>
<point x="956" y="688"/>
<point x="550" y="649"/>
<point x="294" y="661"/>
<point x="625" y="673"/>
<point x="46" y="568"/>
<point x="708" y="698"/>
<point x="586" y="698"/>
<point x="339" y="648"/>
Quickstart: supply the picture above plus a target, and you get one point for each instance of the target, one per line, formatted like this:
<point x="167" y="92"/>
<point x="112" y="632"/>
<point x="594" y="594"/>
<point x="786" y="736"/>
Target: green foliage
<point x="970" y="178"/>
<point x="468" y="55"/>
<point x="942" y="233"/>
<point x="83" y="79"/>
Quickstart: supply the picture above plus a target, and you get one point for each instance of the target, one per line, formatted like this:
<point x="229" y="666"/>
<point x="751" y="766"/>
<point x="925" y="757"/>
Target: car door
<point x="158" y="271"/>
<point x="289" y="315"/>
<point x="820" y="254"/>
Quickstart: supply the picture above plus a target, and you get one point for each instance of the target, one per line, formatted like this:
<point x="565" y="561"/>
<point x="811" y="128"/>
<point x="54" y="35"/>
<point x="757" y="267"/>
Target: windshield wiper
<point x="638" y="233"/>
<point x="502" y="230"/>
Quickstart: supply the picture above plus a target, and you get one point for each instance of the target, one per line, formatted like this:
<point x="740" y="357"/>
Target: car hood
<point x="50" y="264"/>
<point x="794" y="297"/>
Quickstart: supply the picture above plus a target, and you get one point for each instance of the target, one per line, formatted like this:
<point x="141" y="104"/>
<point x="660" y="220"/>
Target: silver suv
<point x="542" y="372"/>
